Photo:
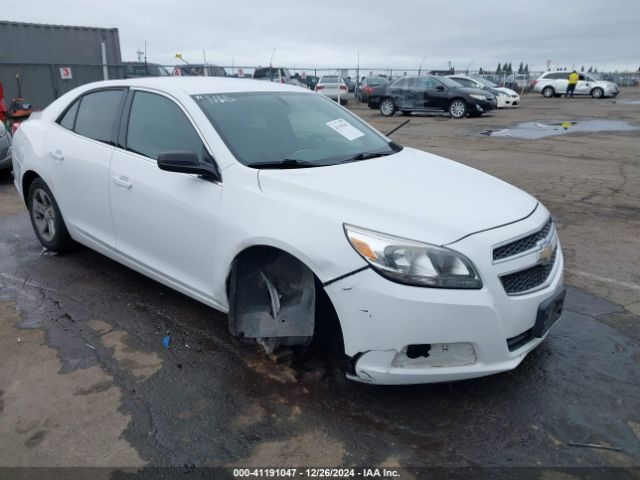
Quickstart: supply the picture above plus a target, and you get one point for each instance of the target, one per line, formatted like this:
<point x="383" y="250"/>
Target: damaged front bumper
<point x="399" y="334"/>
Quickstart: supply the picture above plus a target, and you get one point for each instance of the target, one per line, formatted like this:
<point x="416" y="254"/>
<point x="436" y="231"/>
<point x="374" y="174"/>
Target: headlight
<point x="413" y="263"/>
<point x="478" y="96"/>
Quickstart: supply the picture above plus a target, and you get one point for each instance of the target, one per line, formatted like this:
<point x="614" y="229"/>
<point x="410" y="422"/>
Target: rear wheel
<point x="46" y="218"/>
<point x="548" y="92"/>
<point x="344" y="101"/>
<point x="387" y="107"/>
<point x="597" y="92"/>
<point x="458" y="108"/>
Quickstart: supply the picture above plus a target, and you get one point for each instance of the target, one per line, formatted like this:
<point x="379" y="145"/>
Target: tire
<point x="458" y="108"/>
<point x="344" y="101"/>
<point x="597" y="92"/>
<point x="46" y="218"/>
<point x="548" y="92"/>
<point x="387" y="107"/>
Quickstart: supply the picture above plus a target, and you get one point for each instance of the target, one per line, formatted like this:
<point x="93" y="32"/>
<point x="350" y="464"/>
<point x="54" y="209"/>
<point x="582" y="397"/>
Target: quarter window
<point x="97" y="115"/>
<point x="69" y="118"/>
<point x="157" y="124"/>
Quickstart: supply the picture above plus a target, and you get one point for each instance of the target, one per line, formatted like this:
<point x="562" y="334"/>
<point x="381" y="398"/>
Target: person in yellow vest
<point x="573" y="80"/>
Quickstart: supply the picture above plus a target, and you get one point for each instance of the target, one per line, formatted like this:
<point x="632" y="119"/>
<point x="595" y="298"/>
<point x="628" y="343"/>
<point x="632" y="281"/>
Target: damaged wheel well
<point x="274" y="295"/>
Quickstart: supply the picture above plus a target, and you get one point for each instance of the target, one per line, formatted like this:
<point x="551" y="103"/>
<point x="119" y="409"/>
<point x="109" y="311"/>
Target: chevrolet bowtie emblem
<point x="546" y="253"/>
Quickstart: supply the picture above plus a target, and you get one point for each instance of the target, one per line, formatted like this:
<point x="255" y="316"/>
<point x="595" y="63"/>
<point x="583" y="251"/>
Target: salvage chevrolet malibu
<point x="258" y="199"/>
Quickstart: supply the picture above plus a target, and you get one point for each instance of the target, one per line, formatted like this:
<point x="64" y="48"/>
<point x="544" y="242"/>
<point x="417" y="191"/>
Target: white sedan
<point x="505" y="96"/>
<point x="333" y="87"/>
<point x="263" y="200"/>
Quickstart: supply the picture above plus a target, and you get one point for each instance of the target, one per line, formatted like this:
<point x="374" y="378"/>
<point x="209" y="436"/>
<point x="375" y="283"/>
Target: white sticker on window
<point x="345" y="129"/>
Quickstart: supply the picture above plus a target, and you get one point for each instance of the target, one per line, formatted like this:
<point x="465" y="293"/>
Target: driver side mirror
<point x="440" y="88"/>
<point x="186" y="161"/>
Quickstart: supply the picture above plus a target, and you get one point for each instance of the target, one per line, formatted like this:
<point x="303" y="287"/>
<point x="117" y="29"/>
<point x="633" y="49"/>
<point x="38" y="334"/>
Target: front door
<point x="166" y="222"/>
<point x="583" y="87"/>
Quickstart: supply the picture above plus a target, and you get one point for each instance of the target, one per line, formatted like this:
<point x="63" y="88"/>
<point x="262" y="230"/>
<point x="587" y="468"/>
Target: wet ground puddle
<point x="535" y="130"/>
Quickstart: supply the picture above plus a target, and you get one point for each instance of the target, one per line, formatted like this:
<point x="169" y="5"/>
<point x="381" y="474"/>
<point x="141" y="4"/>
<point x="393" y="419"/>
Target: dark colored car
<point x="431" y="94"/>
<point x="193" y="70"/>
<point x="144" y="69"/>
<point x="366" y="87"/>
<point x="309" y="80"/>
<point x="5" y="150"/>
<point x="277" y="74"/>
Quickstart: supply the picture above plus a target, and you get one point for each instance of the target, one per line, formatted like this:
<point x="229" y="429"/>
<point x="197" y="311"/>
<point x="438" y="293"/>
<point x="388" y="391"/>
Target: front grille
<point x="523" y="244"/>
<point x="529" y="278"/>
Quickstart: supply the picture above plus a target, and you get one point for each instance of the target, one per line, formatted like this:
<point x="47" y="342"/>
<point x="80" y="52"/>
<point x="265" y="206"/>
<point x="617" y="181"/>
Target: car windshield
<point x="448" y="82"/>
<point x="269" y="127"/>
<point x="330" y="80"/>
<point x="485" y="82"/>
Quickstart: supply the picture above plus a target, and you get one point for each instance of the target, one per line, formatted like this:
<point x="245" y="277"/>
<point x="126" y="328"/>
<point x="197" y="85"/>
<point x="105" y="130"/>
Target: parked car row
<point x="430" y="93"/>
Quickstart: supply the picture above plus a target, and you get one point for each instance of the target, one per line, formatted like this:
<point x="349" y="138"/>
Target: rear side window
<point x="157" y="124"/>
<point x="97" y="115"/>
<point x="69" y="118"/>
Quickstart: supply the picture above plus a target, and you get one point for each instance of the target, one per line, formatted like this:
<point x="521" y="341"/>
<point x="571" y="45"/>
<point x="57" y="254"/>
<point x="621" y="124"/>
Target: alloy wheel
<point x="457" y="109"/>
<point x="44" y="215"/>
<point x="387" y="108"/>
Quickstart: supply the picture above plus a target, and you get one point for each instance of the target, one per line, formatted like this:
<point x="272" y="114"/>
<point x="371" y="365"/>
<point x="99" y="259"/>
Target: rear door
<point x="560" y="81"/>
<point x="80" y="146"/>
<point x="166" y="222"/>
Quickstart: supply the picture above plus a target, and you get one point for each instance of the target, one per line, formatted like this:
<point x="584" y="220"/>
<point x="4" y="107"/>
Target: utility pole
<point x="420" y="67"/>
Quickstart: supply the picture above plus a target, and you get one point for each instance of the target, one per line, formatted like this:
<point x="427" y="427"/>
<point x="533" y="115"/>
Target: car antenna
<point x="397" y="128"/>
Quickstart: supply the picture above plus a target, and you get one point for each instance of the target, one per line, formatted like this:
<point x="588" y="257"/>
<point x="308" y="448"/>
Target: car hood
<point x="506" y="90"/>
<point x="411" y="194"/>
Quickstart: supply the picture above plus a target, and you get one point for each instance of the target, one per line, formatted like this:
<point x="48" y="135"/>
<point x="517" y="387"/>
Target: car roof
<point x="198" y="85"/>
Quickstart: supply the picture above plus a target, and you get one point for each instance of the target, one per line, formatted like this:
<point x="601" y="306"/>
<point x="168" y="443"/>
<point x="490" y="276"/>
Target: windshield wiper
<point x="395" y="148"/>
<point x="284" y="163"/>
<point x="366" y="155"/>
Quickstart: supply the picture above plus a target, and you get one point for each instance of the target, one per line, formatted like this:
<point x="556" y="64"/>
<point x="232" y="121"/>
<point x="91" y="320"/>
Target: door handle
<point x="57" y="155"/>
<point x="122" y="181"/>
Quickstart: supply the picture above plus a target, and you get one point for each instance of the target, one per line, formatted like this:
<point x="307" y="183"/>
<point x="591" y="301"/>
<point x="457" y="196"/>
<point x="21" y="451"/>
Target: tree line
<point x="507" y="69"/>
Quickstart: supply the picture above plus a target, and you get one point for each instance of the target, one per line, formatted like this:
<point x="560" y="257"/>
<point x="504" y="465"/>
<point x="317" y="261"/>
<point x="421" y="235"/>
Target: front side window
<point x="97" y="113"/>
<point x="430" y="83"/>
<point x="465" y="82"/>
<point x="157" y="124"/>
<point x="264" y="127"/>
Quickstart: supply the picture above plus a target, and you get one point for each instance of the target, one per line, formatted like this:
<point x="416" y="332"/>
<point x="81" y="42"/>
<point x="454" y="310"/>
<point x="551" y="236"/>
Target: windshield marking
<point x="345" y="129"/>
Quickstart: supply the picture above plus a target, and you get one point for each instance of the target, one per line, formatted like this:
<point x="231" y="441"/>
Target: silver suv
<point x="552" y="84"/>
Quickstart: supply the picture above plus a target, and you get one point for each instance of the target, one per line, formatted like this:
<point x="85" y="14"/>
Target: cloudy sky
<point x="391" y="33"/>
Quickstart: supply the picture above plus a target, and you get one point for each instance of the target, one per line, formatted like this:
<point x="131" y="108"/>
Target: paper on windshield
<point x="345" y="129"/>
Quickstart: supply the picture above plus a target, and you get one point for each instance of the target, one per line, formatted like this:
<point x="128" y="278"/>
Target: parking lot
<point x="88" y="382"/>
